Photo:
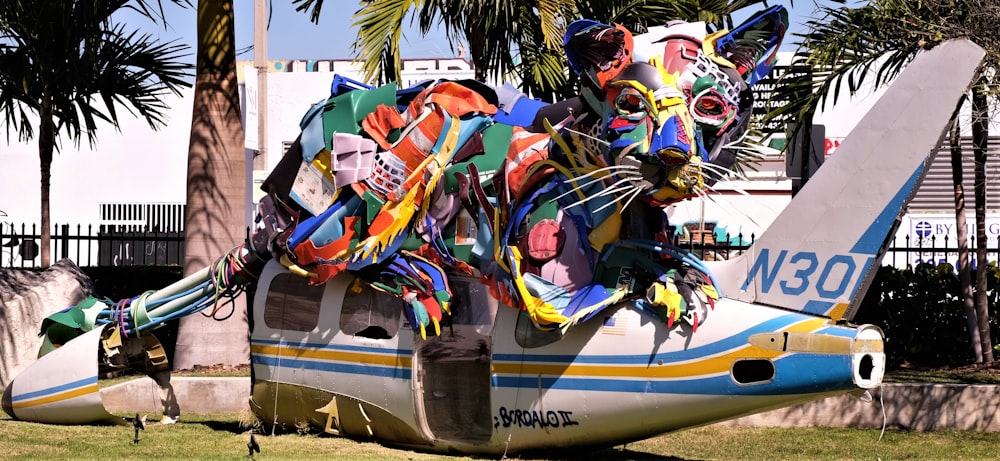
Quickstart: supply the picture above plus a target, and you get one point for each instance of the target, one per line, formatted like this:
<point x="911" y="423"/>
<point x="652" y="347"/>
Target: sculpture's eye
<point x="630" y="101"/>
<point x="638" y="83"/>
<point x="708" y="106"/>
<point x="710" y="109"/>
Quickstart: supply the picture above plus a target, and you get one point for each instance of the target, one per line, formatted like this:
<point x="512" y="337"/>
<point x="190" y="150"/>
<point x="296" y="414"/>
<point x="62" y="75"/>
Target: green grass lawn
<point x="941" y="376"/>
<point x="223" y="436"/>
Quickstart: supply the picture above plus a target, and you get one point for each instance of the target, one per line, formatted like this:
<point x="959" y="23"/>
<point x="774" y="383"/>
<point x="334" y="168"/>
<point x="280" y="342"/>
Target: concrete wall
<point x="26" y="298"/>
<point x="197" y="396"/>
<point x="917" y="407"/>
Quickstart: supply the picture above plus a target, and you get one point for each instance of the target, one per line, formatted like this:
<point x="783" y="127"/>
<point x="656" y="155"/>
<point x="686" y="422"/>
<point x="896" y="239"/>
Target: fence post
<point x="79" y="243"/>
<point x="64" y="240"/>
<point x="2" y="242"/>
<point x="973" y="252"/>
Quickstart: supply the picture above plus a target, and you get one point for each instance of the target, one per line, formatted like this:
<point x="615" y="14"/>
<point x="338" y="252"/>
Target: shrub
<point x="921" y="312"/>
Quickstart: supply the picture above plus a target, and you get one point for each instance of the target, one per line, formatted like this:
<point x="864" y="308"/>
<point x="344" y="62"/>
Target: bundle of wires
<point x="222" y="282"/>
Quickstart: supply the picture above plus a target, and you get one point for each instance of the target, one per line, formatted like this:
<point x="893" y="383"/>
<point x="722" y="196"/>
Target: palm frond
<point x="145" y="8"/>
<point x="310" y="7"/>
<point x="552" y="16"/>
<point x="68" y="55"/>
<point x="843" y="44"/>
<point x="380" y="27"/>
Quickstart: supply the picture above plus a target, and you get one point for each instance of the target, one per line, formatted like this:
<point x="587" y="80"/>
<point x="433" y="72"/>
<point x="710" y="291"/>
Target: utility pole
<point x="260" y="19"/>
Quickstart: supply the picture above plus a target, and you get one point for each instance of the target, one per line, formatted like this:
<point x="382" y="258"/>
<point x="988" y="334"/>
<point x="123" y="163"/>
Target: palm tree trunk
<point x="980" y="142"/>
<point x="217" y="200"/>
<point x="46" y="145"/>
<point x="964" y="270"/>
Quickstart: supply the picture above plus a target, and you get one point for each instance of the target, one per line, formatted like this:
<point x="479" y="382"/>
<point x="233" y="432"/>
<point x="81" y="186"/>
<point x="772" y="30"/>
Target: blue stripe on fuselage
<point x="333" y="367"/>
<point x="55" y="389"/>
<point x="821" y="373"/>
<point x="336" y="347"/>
<point x="732" y="342"/>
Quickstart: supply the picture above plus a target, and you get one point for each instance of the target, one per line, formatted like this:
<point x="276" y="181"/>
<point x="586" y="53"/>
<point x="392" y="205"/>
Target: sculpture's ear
<point x="752" y="46"/>
<point x="597" y="51"/>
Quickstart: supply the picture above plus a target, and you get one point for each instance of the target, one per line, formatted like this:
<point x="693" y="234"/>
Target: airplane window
<point x="528" y="336"/>
<point x="472" y="304"/>
<point x="370" y="313"/>
<point x="753" y="371"/>
<point x="292" y="304"/>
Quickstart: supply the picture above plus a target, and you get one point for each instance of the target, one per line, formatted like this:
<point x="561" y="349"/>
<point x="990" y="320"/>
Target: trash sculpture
<point x="552" y="206"/>
<point x="557" y="208"/>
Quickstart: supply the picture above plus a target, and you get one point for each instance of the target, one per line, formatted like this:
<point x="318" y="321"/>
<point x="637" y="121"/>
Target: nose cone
<point x="61" y="387"/>
<point x="868" y="357"/>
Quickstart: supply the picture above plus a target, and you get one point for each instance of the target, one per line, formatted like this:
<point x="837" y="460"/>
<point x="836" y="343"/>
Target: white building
<point x="131" y="177"/>
<point x="141" y="169"/>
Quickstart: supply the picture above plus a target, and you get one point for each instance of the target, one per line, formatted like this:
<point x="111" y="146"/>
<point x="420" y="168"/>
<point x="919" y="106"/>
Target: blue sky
<point x="293" y="36"/>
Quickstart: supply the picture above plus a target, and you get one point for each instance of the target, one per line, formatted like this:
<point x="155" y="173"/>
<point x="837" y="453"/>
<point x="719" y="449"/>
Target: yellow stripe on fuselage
<point x="700" y="367"/>
<point x="70" y="394"/>
<point x="389" y="359"/>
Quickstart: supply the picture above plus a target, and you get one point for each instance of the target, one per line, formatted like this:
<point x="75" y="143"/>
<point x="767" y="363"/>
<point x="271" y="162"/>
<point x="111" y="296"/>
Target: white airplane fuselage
<point x="495" y="384"/>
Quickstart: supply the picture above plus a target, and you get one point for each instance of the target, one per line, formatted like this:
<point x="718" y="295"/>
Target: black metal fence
<point x="907" y="252"/>
<point x="127" y="246"/>
<point x="91" y="246"/>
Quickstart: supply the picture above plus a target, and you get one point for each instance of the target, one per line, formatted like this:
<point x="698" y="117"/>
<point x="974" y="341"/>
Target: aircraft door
<point x="452" y="389"/>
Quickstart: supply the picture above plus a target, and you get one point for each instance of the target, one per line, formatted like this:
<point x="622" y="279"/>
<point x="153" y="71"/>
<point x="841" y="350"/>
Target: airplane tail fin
<point x="821" y="253"/>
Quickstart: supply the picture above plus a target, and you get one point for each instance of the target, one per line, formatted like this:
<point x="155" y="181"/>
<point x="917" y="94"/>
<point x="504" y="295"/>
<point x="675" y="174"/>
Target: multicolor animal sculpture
<point x="557" y="208"/>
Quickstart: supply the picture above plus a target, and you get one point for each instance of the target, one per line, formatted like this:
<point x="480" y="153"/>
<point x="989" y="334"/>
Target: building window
<point x="292" y="304"/>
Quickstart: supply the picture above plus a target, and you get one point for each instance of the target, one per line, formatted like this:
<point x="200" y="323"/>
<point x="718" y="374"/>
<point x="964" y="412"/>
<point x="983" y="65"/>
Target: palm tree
<point x="878" y="40"/>
<point x="961" y="235"/>
<point x="67" y="64"/>
<point x="519" y="41"/>
<point x="217" y="197"/>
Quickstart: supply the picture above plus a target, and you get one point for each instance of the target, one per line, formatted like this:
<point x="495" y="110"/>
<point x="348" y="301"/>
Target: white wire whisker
<point x="607" y="169"/>
<point x="738" y="190"/>
<point x="733" y="208"/>
<point x="635" y="194"/>
<point x="722" y="171"/>
<point x="587" y="135"/>
<point x="602" y="194"/>
<point x="580" y="188"/>
<point x="631" y="194"/>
